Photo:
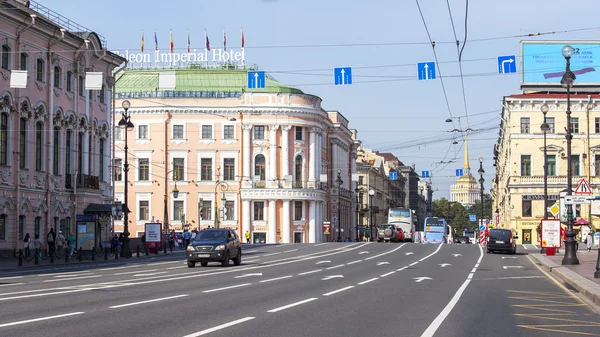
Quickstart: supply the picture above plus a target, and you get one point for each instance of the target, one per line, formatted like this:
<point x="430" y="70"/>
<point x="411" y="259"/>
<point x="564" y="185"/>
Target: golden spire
<point x="466" y="166"/>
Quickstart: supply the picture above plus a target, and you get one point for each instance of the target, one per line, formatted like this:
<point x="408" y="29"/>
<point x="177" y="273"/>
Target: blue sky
<point x="382" y="40"/>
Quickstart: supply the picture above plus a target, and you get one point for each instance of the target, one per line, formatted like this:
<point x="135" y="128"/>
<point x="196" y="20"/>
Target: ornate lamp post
<point x="339" y="181"/>
<point x="545" y="128"/>
<point x="125" y="123"/>
<point x="567" y="81"/>
<point x="371" y="194"/>
<point x="481" y="181"/>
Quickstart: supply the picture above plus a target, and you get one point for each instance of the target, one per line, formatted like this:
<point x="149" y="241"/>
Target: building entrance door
<point x="526" y="236"/>
<point x="259" y="237"/>
<point x="298" y="236"/>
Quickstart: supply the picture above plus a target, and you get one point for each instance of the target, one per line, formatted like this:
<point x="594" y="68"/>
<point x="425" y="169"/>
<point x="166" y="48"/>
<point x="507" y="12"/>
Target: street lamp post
<point x="125" y="123"/>
<point x="567" y="80"/>
<point x="339" y="181"/>
<point x="357" y="217"/>
<point x="371" y="194"/>
<point x="545" y="128"/>
<point x="481" y="181"/>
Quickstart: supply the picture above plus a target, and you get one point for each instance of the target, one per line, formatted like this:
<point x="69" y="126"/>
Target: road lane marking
<point x="434" y="326"/>
<point x="324" y="261"/>
<point x="412" y="264"/>
<point x="408" y="253"/>
<point x="353" y="262"/>
<point x="382" y="254"/>
<point x="367" y="281"/>
<point x="71" y="279"/>
<point x="10" y="278"/>
<point x="509" y="278"/>
<point x="536" y="247"/>
<point x="387" y="274"/>
<point x="455" y="255"/>
<point x="225" y="288"/>
<point x="289" y="251"/>
<point x="11" y="284"/>
<point x="401" y="269"/>
<point x="338" y="291"/>
<point x="147" y="301"/>
<point x="363" y="252"/>
<point x="293" y="304"/>
<point x="447" y="264"/>
<point x="473" y="270"/>
<point x="151" y="274"/>
<point x="276" y="279"/>
<point x="40" y="319"/>
<point x="248" y="275"/>
<point x="124" y="267"/>
<point x="271" y="254"/>
<point x="524" y="246"/>
<point x="339" y="265"/>
<point x="251" y="251"/>
<point x="509" y="257"/>
<point x="71" y="275"/>
<point x="435" y="252"/>
<point x="382" y="263"/>
<point x="219" y="327"/>
<point x="310" y="272"/>
<point x="178" y="267"/>
<point x="507" y="267"/>
<point x="321" y="244"/>
<point x="332" y="276"/>
<point x="420" y="279"/>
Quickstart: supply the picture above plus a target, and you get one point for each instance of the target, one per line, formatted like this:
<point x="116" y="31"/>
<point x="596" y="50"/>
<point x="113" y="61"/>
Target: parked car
<point x="387" y="233"/>
<point x="501" y="240"/>
<point x="215" y="245"/>
<point x="463" y="239"/>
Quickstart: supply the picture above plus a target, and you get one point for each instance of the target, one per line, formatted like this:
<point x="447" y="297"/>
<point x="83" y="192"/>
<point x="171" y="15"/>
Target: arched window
<point x="39" y="126"/>
<point x="56" y="151"/>
<point x="3" y="139"/>
<point x="298" y="171"/>
<point x="36" y="226"/>
<point x="57" y="77"/>
<point x="259" y="167"/>
<point x="22" y="142"/>
<point x="5" y="56"/>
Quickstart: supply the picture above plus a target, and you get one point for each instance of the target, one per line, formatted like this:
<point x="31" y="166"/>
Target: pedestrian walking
<point x="51" y="241"/>
<point x="247" y="237"/>
<point x="37" y="244"/>
<point x="589" y="240"/>
<point x="26" y="244"/>
<point x="71" y="244"/>
<point x="60" y="241"/>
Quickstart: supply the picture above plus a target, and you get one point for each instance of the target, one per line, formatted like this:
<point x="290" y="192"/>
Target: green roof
<point x="196" y="80"/>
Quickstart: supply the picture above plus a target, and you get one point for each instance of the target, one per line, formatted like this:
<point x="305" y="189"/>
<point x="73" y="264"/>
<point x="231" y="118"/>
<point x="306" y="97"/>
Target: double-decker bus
<point x="403" y="219"/>
<point x="435" y="230"/>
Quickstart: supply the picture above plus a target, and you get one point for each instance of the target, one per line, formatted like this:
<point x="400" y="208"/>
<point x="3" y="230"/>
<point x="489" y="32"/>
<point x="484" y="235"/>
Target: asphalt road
<point x="333" y="289"/>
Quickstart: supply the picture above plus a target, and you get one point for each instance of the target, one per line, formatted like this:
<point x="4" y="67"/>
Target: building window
<point x="81" y="86"/>
<point x="206" y="210"/>
<point x="37" y="222"/>
<point x="207" y="132"/>
<point x="228" y="132"/>
<point x="526" y="208"/>
<point x="574" y="124"/>
<point x="38" y="146"/>
<point x="5" y="56"/>
<point x="101" y="160"/>
<point x="550" y="122"/>
<point x="361" y="180"/>
<point x="178" y="171"/>
<point x="259" y="132"/>
<point x="144" y="213"/>
<point x="56" y="151"/>
<point x="39" y="70"/>
<point x="142" y="131"/>
<point x="69" y="81"/>
<point x="228" y="169"/>
<point x="118" y="169"/>
<point x="297" y="210"/>
<point x="259" y="167"/>
<point x="2" y="227"/>
<point x="229" y="210"/>
<point x="68" y="151"/>
<point x="118" y="134"/>
<point x="57" y="77"/>
<point x="177" y="131"/>
<point x="525" y="124"/>
<point x="575" y="164"/>
<point x="24" y="59"/>
<point x="22" y="142"/>
<point x="3" y="139"/>
<point x="525" y="165"/>
<point x="551" y="169"/>
<point x="21" y="226"/>
<point x="597" y="165"/>
<point x="206" y="169"/>
<point x="144" y="169"/>
<point x="102" y="93"/>
<point x="299" y="133"/>
<point x="90" y="157"/>
<point x="298" y="171"/>
<point x="178" y="210"/>
<point x="259" y="210"/>
<point x="361" y="196"/>
<point x="80" y="152"/>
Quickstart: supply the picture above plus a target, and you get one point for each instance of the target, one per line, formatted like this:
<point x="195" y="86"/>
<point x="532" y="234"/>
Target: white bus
<point x="404" y="220"/>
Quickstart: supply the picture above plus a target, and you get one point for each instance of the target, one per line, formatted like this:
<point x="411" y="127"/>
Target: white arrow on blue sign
<point x="342" y="76"/>
<point x="507" y="64"/>
<point x="472" y="217"/>
<point x="424" y="174"/>
<point x="393" y="175"/>
<point x="426" y="70"/>
<point x="467" y="207"/>
<point x="256" y="79"/>
<point x="481" y="228"/>
<point x="459" y="172"/>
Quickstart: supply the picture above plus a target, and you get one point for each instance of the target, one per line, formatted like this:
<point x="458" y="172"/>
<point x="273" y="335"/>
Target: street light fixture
<point x="356" y="190"/>
<point x="223" y="200"/>
<point x="481" y="181"/>
<point x="545" y="128"/>
<point x="567" y="80"/>
<point x="125" y="123"/>
<point x="371" y="194"/>
<point x="339" y="181"/>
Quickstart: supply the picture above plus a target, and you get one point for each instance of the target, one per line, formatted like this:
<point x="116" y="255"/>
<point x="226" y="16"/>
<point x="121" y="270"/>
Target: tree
<point x="455" y="214"/>
<point x="487" y="208"/>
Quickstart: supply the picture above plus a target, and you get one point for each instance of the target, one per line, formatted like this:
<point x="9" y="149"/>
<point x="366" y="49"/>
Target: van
<point x="501" y="240"/>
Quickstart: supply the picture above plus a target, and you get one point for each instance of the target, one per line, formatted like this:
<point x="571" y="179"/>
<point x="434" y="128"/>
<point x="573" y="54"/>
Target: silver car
<point x="387" y="233"/>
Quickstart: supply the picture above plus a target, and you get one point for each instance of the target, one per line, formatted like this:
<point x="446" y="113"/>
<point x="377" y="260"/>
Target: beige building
<point x="519" y="159"/>
<point x="466" y="190"/>
<point x="257" y="160"/>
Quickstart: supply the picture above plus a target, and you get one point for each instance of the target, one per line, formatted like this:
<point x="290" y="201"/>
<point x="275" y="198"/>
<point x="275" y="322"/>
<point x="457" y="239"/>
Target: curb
<point x="589" y="289"/>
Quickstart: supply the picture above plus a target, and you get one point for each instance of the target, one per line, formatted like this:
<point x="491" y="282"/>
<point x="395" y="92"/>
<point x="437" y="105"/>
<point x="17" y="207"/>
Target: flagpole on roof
<point x="243" y="54"/>
<point x="205" y="49"/>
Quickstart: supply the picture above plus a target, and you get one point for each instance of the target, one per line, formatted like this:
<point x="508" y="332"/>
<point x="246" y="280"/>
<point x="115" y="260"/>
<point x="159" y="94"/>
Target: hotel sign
<point x="156" y="58"/>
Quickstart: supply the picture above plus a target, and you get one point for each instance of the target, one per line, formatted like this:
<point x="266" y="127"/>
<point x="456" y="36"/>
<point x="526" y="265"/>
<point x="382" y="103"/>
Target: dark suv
<point x="215" y="245"/>
<point x="501" y="240"/>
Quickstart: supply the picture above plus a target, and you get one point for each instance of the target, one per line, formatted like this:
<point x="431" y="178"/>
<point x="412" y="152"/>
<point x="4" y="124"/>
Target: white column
<point x="86" y="153"/>
<point x="312" y="156"/>
<point x="245" y="216"/>
<point x="312" y="230"/>
<point x="106" y="156"/>
<point x="318" y="156"/>
<point x="318" y="223"/>
<point x="273" y="152"/>
<point x="246" y="156"/>
<point x="285" y="152"/>
<point x="272" y="222"/>
<point x="285" y="230"/>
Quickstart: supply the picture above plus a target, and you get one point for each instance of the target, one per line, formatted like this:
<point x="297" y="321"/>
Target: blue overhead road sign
<point x="342" y="76"/>
<point x="424" y="174"/>
<point x="472" y="217"/>
<point x="426" y="70"/>
<point x="507" y="64"/>
<point x="459" y="172"/>
<point x="256" y="79"/>
<point x="393" y="175"/>
<point x="467" y="207"/>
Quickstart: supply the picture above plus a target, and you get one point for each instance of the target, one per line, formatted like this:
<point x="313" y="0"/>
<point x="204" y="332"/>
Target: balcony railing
<point x="88" y="181"/>
<point x="260" y="184"/>
<point x="540" y="180"/>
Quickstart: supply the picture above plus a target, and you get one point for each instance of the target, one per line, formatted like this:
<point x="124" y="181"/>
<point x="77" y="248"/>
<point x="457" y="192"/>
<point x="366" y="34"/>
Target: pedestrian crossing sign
<point x="583" y="187"/>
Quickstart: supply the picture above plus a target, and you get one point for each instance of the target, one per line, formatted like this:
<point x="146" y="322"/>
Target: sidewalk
<point x="580" y="277"/>
<point x="12" y="263"/>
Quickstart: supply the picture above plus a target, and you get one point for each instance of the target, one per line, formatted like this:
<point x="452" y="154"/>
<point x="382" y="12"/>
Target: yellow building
<point x="519" y="157"/>
<point x="466" y="190"/>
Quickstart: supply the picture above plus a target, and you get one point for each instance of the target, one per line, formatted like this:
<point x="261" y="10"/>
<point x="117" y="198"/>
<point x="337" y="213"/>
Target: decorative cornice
<point x="283" y="193"/>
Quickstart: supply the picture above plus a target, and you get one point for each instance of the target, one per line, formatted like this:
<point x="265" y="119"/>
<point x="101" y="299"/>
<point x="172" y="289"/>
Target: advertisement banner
<point x="543" y="62"/>
<point x="86" y="235"/>
<point x="153" y="231"/>
<point x="551" y="233"/>
<point x="326" y="227"/>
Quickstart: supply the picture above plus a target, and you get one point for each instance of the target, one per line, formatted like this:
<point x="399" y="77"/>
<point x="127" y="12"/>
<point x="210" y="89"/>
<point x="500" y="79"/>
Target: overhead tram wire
<point x="459" y="51"/>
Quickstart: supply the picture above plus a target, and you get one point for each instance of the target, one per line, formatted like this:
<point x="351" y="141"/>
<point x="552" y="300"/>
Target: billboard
<point x="542" y="62"/>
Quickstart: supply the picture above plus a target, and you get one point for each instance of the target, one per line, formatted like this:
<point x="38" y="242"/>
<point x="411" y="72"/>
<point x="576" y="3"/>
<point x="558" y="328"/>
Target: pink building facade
<point x="54" y="134"/>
